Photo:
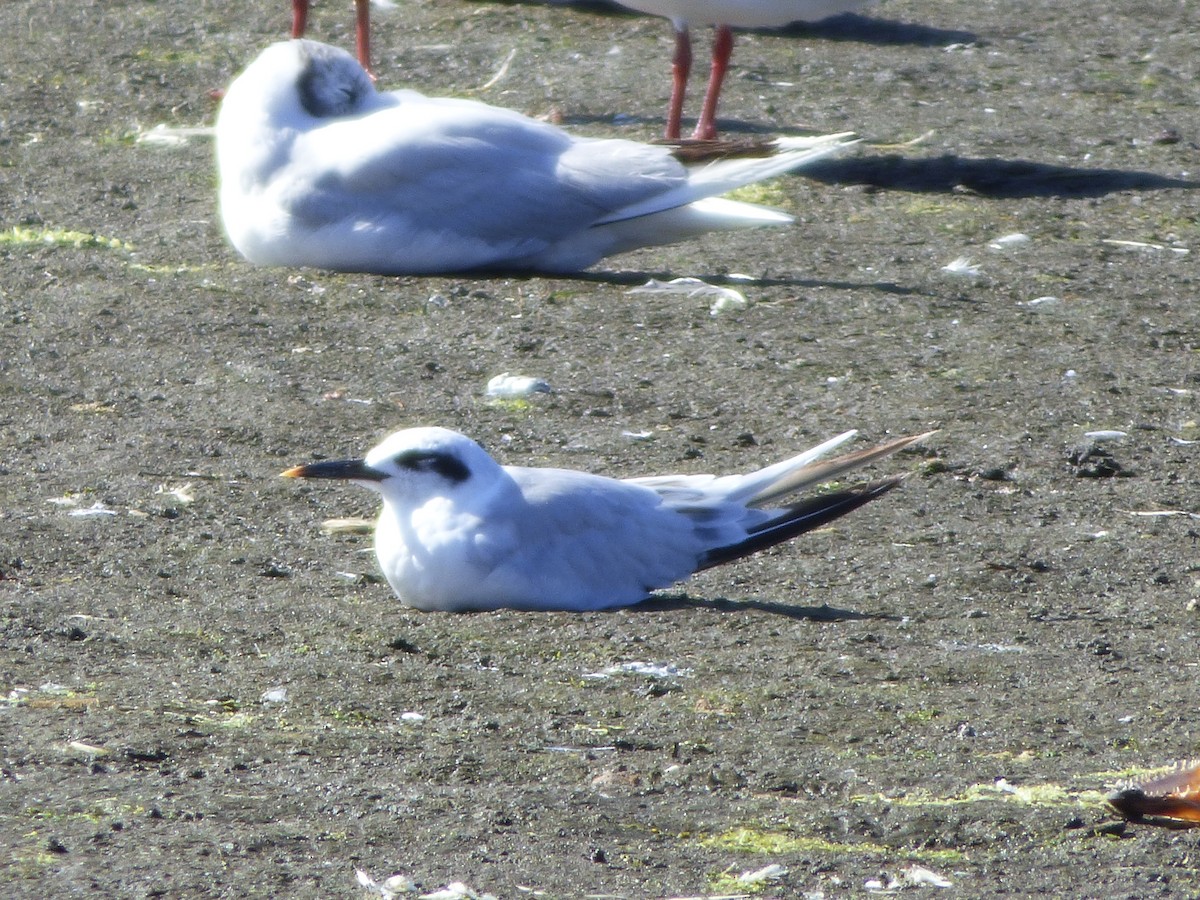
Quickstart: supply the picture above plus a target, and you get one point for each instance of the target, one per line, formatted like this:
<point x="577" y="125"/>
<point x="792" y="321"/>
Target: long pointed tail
<point x="797" y="479"/>
<point x="797" y="518"/>
<point x="714" y="172"/>
<point x="791" y="519"/>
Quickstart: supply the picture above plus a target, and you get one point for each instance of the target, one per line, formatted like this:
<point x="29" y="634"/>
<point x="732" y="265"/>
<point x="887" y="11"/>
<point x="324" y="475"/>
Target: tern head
<point x="412" y="465"/>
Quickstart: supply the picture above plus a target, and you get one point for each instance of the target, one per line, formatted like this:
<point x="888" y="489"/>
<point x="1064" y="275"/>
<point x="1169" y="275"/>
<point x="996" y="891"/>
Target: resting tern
<point x="459" y="531"/>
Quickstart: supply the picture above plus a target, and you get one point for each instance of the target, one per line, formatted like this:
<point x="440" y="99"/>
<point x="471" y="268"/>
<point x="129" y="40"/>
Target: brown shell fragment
<point x="1172" y="798"/>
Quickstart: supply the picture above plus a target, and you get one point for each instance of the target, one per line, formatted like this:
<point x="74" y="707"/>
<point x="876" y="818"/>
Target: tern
<point x="725" y="15"/>
<point x="458" y="531"/>
<point x="317" y="168"/>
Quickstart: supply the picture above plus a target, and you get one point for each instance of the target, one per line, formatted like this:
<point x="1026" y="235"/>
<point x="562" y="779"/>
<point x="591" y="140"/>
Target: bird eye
<point x="449" y="467"/>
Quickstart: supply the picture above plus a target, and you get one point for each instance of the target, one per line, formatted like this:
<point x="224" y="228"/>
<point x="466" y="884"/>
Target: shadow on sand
<point x="988" y="177"/>
<point x="881" y="32"/>
<point x="844" y="27"/>
<point x="823" y="613"/>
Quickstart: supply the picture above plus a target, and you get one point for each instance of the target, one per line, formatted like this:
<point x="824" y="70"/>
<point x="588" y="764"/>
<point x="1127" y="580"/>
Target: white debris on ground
<point x="1041" y="302"/>
<point x="96" y="509"/>
<point x="85" y="749"/>
<point x="649" y="670"/>
<point x="389" y="888"/>
<point x="182" y="493"/>
<point x="773" y="872"/>
<point x="350" y="525"/>
<point x="456" y="890"/>
<point x="274" y="695"/>
<point x="400" y="884"/>
<point x="919" y="876"/>
<point x="70" y="502"/>
<point x="1163" y="513"/>
<point x="962" y="267"/>
<point x="164" y="135"/>
<point x="1145" y="247"/>
<point x="1009" y="241"/>
<point x="724" y="299"/>
<point x="500" y="72"/>
<point x="913" y="876"/>
<point x="515" y="387"/>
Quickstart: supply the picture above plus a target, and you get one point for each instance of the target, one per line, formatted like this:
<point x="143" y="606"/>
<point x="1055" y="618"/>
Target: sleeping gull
<point x="317" y="168"/>
<point x="459" y="532"/>
<point x="725" y="15"/>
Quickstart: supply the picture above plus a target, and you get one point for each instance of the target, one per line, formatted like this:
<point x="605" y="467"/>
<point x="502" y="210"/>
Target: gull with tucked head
<point x="459" y="531"/>
<point x="318" y="168"/>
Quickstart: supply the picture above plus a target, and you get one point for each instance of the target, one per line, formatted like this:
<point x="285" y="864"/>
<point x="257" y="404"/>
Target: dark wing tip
<point x="797" y="518"/>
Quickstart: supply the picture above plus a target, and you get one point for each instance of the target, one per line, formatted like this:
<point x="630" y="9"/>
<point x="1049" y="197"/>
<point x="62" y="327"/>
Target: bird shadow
<point x="822" y="613"/>
<point x="991" y="176"/>
<point x="881" y="32"/>
<point x="842" y="27"/>
<point x="1004" y="179"/>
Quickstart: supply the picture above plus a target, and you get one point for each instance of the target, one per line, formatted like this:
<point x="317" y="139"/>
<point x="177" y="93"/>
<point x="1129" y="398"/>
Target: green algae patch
<point x="59" y="237"/>
<point x="1037" y="795"/>
<point x="774" y="843"/>
<point x="762" y="193"/>
<point x="745" y="839"/>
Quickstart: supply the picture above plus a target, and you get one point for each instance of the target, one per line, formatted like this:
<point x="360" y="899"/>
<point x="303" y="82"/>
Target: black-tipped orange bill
<point x="340" y="469"/>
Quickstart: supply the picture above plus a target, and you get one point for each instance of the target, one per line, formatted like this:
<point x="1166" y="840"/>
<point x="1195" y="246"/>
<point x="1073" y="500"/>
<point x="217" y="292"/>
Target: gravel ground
<point x="208" y="696"/>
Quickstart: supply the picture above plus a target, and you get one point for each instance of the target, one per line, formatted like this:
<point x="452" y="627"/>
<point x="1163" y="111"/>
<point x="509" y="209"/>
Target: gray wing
<point x="468" y="171"/>
<point x="585" y="541"/>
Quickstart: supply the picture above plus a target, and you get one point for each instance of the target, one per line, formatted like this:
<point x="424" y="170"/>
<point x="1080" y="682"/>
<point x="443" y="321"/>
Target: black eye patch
<point x="449" y="467"/>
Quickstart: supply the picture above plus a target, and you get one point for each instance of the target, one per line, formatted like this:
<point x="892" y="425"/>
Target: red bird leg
<point x="362" y="34"/>
<point x="681" y="67"/>
<point x="299" y="17"/>
<point x="362" y="28"/>
<point x="706" y="127"/>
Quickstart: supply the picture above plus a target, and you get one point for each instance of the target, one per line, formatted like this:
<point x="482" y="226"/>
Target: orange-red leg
<point x="299" y="18"/>
<point x="362" y="34"/>
<point x="362" y="28"/>
<point x="681" y="67"/>
<point x="706" y="127"/>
